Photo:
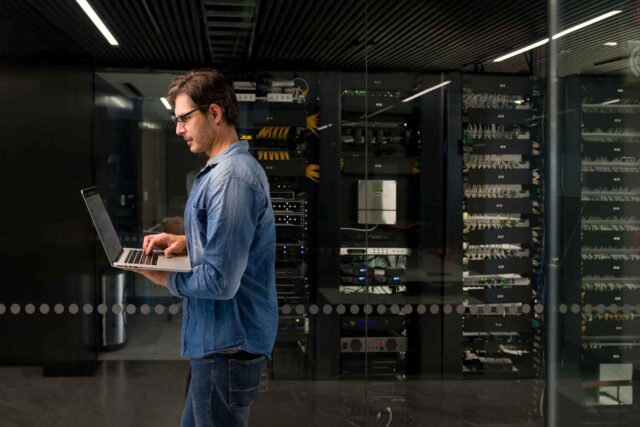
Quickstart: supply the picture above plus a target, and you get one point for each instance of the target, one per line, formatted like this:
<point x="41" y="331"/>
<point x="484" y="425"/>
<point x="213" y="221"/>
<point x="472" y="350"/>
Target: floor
<point x="143" y="383"/>
<point x="150" y="393"/>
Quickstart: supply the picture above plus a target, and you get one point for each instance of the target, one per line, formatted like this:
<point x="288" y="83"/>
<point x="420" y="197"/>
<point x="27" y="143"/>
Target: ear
<point x="216" y="113"/>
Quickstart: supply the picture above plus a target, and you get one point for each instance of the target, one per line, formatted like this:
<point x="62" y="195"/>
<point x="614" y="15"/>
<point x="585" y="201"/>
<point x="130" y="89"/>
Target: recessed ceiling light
<point x="97" y="22"/>
<point x="558" y="35"/>
<point x="166" y="103"/>
<point x="610" y="43"/>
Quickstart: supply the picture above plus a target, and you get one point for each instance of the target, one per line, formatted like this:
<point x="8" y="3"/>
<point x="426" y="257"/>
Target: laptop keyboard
<point x="137" y="256"/>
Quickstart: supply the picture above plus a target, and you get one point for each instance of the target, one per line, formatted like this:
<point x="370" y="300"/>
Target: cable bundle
<point x="273" y="155"/>
<point x="280" y="133"/>
<point x="313" y="172"/>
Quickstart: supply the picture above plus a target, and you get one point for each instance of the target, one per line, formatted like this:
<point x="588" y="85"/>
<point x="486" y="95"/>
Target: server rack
<point x="380" y="167"/>
<point x="602" y="270"/>
<point x="502" y="226"/>
<point x="279" y="119"/>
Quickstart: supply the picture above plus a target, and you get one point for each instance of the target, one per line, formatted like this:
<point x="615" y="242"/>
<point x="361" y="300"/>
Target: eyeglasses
<point x="184" y="118"/>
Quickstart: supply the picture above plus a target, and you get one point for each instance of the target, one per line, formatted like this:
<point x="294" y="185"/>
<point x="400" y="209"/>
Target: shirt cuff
<point x="172" y="284"/>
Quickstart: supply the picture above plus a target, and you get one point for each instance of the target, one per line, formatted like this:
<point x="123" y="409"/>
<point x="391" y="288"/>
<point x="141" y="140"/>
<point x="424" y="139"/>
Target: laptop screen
<point x="103" y="224"/>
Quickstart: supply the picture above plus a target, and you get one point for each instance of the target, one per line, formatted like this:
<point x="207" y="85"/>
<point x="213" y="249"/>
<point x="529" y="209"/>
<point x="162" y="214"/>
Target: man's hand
<point x="171" y="243"/>
<point x="173" y="225"/>
<point x="158" y="277"/>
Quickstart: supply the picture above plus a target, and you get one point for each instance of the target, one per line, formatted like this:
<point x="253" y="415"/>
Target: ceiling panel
<point x="412" y="35"/>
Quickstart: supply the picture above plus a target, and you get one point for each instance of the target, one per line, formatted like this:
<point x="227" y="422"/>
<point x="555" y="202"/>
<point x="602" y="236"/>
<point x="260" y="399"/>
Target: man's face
<point x="196" y="128"/>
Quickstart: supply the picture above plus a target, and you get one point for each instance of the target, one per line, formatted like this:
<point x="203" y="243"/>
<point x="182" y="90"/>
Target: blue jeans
<point x="221" y="390"/>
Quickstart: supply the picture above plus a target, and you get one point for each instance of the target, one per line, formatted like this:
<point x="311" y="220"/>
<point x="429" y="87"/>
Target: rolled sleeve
<point x="172" y="284"/>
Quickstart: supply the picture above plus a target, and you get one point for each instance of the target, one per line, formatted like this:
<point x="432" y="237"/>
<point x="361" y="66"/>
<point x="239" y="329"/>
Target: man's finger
<point x="150" y="243"/>
<point x="169" y="251"/>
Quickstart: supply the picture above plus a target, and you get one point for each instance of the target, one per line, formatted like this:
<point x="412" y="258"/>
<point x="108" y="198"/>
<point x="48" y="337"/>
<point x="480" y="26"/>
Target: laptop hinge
<point x="119" y="255"/>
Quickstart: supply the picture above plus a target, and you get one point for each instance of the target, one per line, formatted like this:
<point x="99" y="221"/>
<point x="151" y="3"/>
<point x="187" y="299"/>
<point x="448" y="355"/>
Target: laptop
<point x="120" y="257"/>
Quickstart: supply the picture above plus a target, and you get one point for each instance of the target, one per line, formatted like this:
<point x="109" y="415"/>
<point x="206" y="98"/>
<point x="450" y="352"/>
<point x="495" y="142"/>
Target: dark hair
<point x="207" y="86"/>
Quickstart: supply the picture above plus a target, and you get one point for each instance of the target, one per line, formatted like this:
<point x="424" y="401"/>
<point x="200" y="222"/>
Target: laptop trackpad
<point x="175" y="263"/>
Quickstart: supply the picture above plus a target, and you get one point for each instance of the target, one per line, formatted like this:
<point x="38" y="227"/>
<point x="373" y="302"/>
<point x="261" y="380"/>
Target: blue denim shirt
<point x="229" y="298"/>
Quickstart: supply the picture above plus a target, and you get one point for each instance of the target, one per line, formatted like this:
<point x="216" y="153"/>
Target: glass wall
<point x="454" y="188"/>
<point x="592" y="92"/>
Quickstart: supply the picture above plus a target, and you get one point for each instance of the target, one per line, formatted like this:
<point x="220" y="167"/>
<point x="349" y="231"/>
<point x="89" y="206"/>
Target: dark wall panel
<point x="47" y="254"/>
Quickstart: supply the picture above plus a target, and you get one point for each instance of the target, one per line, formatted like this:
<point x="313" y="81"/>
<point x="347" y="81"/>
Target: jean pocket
<point x="244" y="380"/>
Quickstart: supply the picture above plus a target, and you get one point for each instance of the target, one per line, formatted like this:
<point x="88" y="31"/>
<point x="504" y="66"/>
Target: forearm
<point x="205" y="281"/>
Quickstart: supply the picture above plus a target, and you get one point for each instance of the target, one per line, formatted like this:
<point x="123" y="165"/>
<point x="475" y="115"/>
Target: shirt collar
<point x="236" y="147"/>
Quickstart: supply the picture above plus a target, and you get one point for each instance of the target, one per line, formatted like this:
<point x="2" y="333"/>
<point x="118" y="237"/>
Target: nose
<point x="180" y="130"/>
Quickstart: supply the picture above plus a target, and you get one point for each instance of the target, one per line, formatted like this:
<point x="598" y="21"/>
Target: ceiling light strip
<point x="585" y="24"/>
<point x="97" y="22"/>
<point x="522" y="50"/>
<point x="166" y="103"/>
<point x="558" y="35"/>
<point x="432" y="88"/>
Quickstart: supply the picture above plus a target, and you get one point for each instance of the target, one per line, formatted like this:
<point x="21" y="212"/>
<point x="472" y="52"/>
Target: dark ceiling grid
<point x="347" y="41"/>
<point x="229" y="25"/>
<point x="276" y="22"/>
<point x="35" y="21"/>
<point x="199" y="30"/>
<point x="182" y="14"/>
<point x="409" y="35"/>
<point x="193" y="27"/>
<point x="308" y="19"/>
<point x="163" y="42"/>
<point x="67" y="18"/>
<point x="487" y="39"/>
<point x="187" y="26"/>
<point x="317" y="34"/>
<point x="147" y="32"/>
<point x="273" y="29"/>
<point x="96" y="41"/>
<point x="400" y="46"/>
<point x="379" y="19"/>
<point x="287" y="28"/>
<point x="133" y="32"/>
<point x="403" y="39"/>
<point x="170" y="32"/>
<point x="295" y="30"/>
<point x="174" y="31"/>
<point x="328" y="32"/>
<point x="480" y="42"/>
<point x="124" y="33"/>
<point x="226" y="27"/>
<point x="395" y="39"/>
<point x="570" y="14"/>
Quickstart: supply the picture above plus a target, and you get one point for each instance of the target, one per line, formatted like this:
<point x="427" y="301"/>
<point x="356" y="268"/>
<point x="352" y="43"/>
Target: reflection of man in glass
<point x="229" y="299"/>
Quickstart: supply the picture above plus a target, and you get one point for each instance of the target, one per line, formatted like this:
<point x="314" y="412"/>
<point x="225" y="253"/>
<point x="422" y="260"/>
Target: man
<point x="229" y="299"/>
